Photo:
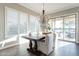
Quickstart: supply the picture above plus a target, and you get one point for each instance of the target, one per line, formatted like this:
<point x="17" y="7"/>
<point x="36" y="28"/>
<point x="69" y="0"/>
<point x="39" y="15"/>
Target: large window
<point x="18" y="23"/>
<point x="34" y="24"/>
<point x="58" y="28"/>
<point x="64" y="27"/>
<point x="11" y="23"/>
<point x="69" y="28"/>
<point x="23" y="26"/>
<point x="23" y="23"/>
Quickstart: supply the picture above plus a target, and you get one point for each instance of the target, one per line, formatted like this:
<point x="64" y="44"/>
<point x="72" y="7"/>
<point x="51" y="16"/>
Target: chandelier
<point x="44" y="20"/>
<point x="43" y="14"/>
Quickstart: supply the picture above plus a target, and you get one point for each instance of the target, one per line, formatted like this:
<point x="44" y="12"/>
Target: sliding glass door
<point x="64" y="27"/>
<point x="69" y="28"/>
<point x="58" y="28"/>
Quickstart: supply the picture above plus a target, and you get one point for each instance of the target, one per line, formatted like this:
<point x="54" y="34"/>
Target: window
<point x="59" y="27"/>
<point x="69" y="28"/>
<point x="23" y="23"/>
<point x="64" y="27"/>
<point x="34" y="24"/>
<point x="18" y="23"/>
<point x="11" y="23"/>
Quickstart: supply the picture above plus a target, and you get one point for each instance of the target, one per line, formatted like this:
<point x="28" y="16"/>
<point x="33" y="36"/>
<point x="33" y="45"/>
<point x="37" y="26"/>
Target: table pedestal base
<point x="36" y="52"/>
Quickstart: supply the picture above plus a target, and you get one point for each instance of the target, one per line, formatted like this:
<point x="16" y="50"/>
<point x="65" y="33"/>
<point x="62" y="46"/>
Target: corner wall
<point x="2" y="17"/>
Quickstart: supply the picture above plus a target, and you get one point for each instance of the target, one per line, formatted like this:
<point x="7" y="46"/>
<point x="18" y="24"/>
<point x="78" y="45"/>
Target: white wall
<point x="2" y="17"/>
<point x="68" y="12"/>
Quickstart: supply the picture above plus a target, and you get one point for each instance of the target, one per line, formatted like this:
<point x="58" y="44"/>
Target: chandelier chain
<point x="43" y="6"/>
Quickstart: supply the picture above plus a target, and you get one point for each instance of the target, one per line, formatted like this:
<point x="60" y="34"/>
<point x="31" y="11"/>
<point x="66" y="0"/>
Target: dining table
<point x="35" y="39"/>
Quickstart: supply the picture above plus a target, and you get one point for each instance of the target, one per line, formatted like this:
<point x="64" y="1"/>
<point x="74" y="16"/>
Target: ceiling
<point x="49" y="7"/>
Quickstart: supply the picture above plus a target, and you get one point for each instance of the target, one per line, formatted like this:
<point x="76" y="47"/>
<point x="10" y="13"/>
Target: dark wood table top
<point x="34" y="37"/>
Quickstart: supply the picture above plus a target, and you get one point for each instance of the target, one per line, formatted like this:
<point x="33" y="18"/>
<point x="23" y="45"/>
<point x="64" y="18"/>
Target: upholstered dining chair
<point x="47" y="45"/>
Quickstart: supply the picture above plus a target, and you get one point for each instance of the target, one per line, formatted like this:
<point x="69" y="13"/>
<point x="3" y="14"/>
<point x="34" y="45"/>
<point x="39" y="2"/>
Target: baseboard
<point x="67" y="41"/>
<point x="9" y="46"/>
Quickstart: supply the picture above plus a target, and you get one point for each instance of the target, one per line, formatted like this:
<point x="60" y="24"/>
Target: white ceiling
<point x="49" y="7"/>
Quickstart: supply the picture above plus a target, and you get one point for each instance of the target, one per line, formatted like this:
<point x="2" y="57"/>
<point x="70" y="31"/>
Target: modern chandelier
<point x="45" y="19"/>
<point x="43" y="11"/>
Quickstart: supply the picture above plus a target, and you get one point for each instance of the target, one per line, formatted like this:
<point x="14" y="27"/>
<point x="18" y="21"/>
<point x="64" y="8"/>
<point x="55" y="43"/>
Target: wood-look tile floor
<point x="63" y="49"/>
